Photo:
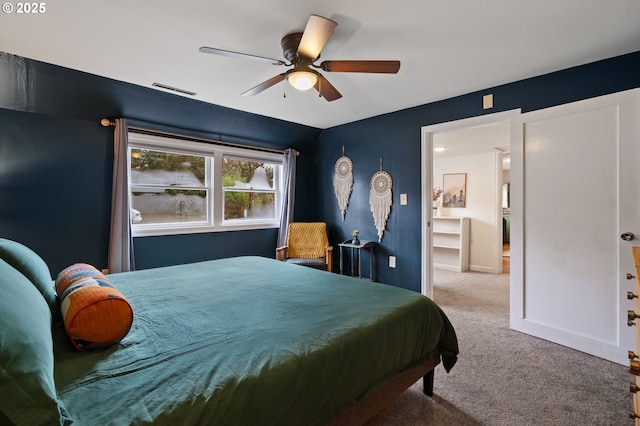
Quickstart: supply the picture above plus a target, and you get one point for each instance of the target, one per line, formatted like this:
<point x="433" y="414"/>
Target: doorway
<point x="474" y="155"/>
<point x="475" y="147"/>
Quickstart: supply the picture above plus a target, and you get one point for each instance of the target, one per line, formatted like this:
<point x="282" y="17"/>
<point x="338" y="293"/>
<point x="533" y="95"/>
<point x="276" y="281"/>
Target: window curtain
<point x="288" y="192"/>
<point x="120" y="238"/>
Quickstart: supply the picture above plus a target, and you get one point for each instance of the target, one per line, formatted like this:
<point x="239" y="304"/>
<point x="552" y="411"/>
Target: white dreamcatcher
<point x="343" y="181"/>
<point x="380" y="199"/>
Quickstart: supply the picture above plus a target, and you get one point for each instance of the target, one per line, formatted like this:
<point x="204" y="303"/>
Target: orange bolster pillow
<point x="95" y="313"/>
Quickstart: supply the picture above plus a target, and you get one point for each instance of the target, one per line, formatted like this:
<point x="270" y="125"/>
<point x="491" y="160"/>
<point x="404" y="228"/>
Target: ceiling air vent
<point x="174" y="89"/>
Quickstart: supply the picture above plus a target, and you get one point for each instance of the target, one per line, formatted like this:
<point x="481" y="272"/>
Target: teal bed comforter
<point x="248" y="341"/>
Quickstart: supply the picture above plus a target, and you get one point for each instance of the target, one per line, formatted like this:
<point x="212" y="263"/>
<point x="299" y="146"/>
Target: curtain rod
<point x="105" y="122"/>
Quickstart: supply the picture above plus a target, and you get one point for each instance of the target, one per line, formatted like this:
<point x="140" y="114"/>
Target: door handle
<point x="627" y="236"/>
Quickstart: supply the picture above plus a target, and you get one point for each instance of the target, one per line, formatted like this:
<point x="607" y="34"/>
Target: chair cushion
<point x="307" y="240"/>
<point x="317" y="263"/>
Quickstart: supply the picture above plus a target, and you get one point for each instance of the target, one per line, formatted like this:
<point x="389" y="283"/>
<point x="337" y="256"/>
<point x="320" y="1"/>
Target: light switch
<point x="392" y="261"/>
<point x="403" y="199"/>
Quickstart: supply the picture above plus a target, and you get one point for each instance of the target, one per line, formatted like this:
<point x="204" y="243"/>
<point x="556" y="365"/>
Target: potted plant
<point x="355" y="240"/>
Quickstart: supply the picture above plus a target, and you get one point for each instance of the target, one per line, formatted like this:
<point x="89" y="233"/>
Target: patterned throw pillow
<point x="95" y="313"/>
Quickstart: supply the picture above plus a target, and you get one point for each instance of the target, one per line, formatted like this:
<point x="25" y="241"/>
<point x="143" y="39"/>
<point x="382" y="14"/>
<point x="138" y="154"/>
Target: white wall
<point x="483" y="205"/>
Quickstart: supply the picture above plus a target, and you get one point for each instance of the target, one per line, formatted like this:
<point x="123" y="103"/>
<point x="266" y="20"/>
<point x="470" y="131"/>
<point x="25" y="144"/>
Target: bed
<point x="238" y="341"/>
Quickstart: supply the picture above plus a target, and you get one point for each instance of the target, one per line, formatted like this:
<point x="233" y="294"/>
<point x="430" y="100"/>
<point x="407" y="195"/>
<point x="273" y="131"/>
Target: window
<point x="168" y="187"/>
<point x="249" y="191"/>
<point x="180" y="186"/>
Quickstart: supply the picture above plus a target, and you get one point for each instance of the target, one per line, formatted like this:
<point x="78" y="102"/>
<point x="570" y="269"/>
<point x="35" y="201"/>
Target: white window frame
<point x="214" y="155"/>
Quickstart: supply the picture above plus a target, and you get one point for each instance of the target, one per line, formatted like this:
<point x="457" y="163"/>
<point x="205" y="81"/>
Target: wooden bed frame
<point x="374" y="408"/>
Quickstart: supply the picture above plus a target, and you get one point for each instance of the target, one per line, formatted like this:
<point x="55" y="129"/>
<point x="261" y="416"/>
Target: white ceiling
<point x="473" y="140"/>
<point x="446" y="47"/>
<point x="493" y="137"/>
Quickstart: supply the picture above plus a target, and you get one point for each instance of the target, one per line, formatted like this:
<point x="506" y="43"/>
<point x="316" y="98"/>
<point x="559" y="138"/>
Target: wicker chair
<point x="307" y="245"/>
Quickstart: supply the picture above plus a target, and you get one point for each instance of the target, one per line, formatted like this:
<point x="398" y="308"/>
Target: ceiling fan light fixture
<point x="302" y="50"/>
<point x="302" y="80"/>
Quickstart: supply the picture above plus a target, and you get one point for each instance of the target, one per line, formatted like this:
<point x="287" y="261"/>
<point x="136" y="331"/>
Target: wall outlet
<point x="403" y="199"/>
<point x="392" y="261"/>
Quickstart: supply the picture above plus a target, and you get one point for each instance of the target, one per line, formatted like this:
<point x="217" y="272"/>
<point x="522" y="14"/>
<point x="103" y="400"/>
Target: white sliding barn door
<point x="576" y="189"/>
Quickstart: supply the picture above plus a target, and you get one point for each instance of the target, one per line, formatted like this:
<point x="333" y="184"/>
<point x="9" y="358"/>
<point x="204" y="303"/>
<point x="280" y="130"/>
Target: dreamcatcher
<point x="343" y="181"/>
<point x="380" y="199"/>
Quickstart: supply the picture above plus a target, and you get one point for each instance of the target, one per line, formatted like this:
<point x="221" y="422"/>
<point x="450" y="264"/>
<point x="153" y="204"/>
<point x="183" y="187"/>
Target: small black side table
<point x="364" y="244"/>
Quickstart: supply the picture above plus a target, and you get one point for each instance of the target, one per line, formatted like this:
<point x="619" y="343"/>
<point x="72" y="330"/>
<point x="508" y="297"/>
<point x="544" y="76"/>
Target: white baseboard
<point x="487" y="269"/>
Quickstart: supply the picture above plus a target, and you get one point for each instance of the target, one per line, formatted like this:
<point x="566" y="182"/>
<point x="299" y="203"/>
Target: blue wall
<point x="56" y="161"/>
<point x="54" y="182"/>
<point x="396" y="138"/>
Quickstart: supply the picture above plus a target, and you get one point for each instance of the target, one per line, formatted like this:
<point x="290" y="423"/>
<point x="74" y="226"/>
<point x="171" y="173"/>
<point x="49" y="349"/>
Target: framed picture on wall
<point x="454" y="190"/>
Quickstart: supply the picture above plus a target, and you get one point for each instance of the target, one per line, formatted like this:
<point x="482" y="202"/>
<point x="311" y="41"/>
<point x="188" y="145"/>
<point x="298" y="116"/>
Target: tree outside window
<point x="249" y="189"/>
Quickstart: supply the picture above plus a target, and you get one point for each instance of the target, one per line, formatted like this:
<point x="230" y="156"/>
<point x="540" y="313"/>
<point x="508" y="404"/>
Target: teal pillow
<point x="34" y="268"/>
<point x="26" y="354"/>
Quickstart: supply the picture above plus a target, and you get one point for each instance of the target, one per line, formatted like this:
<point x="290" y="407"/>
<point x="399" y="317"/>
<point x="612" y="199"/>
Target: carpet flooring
<point x="508" y="378"/>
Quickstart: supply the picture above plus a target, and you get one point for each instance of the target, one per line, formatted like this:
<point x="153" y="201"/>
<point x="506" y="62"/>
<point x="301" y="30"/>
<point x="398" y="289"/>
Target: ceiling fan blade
<point x="384" y="67"/>
<point x="315" y="36"/>
<point x="326" y="89"/>
<point x="221" y="52"/>
<point x="264" y="85"/>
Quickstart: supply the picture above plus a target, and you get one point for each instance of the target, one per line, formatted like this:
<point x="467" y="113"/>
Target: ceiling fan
<point x="302" y="50"/>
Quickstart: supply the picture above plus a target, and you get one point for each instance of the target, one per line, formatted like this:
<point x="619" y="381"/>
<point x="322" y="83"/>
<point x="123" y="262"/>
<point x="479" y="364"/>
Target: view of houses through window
<point x="168" y="187"/>
<point x="172" y="188"/>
